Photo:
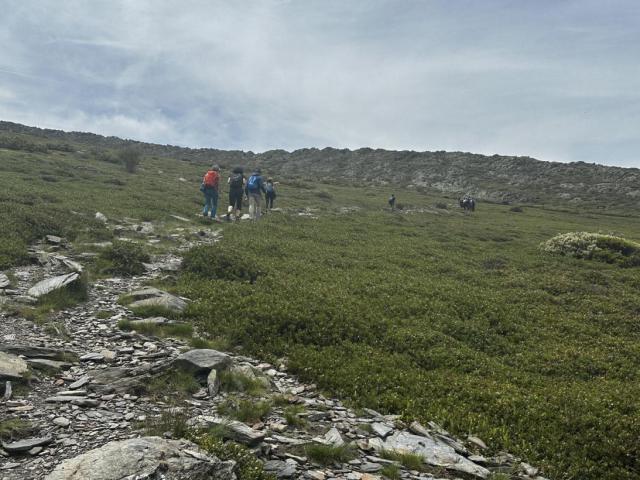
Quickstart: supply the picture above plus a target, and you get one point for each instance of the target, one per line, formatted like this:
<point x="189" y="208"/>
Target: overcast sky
<point x="557" y="80"/>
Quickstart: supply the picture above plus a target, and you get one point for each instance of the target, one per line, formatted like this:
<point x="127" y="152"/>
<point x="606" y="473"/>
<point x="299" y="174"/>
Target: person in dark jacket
<point x="392" y="202"/>
<point x="254" y="190"/>
<point x="236" y="184"/>
<point x="270" y="194"/>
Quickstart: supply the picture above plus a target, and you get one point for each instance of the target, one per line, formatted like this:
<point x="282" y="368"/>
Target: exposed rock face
<point x="434" y="453"/>
<point x="51" y="284"/>
<point x="144" y="458"/>
<point x="153" y="297"/>
<point x="12" y="367"/>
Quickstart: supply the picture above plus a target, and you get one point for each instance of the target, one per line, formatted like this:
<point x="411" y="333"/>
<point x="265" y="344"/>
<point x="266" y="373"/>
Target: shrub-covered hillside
<point x="426" y="312"/>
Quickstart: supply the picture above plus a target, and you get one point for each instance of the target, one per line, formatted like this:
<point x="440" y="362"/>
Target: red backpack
<point x="211" y="179"/>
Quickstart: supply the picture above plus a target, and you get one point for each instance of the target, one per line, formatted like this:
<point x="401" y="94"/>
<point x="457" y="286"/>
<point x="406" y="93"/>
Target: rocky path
<point x="88" y="403"/>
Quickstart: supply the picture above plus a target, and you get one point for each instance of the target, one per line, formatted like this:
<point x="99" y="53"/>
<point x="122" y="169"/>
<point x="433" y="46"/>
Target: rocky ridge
<point x="87" y="402"/>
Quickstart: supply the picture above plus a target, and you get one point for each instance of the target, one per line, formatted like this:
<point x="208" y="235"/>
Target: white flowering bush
<point x="594" y="246"/>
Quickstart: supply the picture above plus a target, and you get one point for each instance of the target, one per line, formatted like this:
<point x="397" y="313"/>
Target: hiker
<point x="236" y="191"/>
<point x="254" y="189"/>
<point x="392" y="202"/>
<point x="270" y="194"/>
<point x="209" y="187"/>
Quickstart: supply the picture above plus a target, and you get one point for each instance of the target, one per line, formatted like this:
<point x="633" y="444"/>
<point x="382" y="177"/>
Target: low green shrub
<point x="595" y="246"/>
<point x="14" y="428"/>
<point x="233" y="381"/>
<point x="124" y="258"/>
<point x="221" y="263"/>
<point x="292" y="416"/>
<point x="248" y="466"/>
<point x="391" y="471"/>
<point x="248" y="411"/>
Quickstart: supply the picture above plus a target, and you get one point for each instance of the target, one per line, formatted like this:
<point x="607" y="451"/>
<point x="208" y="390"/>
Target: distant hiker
<point x="270" y="194"/>
<point x="392" y="202"/>
<point x="236" y="192"/>
<point x="254" y="189"/>
<point x="467" y="203"/>
<point x="210" y="184"/>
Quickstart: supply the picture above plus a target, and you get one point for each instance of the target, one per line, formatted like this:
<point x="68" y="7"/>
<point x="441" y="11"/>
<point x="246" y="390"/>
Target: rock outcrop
<point x="144" y="458"/>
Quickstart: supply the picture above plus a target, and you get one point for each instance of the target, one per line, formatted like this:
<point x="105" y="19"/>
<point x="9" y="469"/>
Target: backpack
<point x="211" y="179"/>
<point x="254" y="182"/>
<point x="235" y="181"/>
<point x="270" y="187"/>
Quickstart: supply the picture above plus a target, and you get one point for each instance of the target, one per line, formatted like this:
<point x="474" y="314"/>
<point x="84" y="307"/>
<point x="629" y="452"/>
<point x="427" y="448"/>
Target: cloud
<point x="556" y="80"/>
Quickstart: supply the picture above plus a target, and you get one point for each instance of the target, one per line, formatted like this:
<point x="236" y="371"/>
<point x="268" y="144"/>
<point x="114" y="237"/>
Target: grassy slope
<point x="452" y="317"/>
<point x="435" y="315"/>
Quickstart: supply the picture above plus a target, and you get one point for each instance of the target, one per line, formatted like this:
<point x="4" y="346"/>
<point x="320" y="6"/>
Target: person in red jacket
<point x="210" y="184"/>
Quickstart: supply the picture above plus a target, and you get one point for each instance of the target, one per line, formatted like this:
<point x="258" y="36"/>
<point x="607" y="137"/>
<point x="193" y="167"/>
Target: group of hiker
<point x="241" y="189"/>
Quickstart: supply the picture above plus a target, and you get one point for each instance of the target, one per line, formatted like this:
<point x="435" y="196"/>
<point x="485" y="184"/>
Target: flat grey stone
<point x="26" y="444"/>
<point x="202" y="361"/>
<point x="4" y="281"/>
<point x="12" y="367"/>
<point x="382" y="430"/>
<point x="146" y="457"/>
<point x="61" y="422"/>
<point x="233" y="430"/>
<point x="433" y="452"/>
<point x="81" y="382"/>
<point x="34" y="352"/>
<point x="333" y="437"/>
<point x="46" y="364"/>
<point x="92" y="357"/>
<point x="51" y="284"/>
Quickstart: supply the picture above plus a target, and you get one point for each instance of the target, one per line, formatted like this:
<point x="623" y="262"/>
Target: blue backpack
<point x="254" y="182"/>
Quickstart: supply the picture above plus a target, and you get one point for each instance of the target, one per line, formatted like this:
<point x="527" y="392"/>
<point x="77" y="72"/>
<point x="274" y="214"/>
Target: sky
<point x="557" y="80"/>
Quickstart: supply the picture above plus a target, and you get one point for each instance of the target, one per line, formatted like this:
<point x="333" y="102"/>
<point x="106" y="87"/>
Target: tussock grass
<point x="234" y="381"/>
<point x="14" y="428"/>
<point x="411" y="461"/>
<point x="330" y="454"/>
<point x="248" y="411"/>
<point x="391" y="471"/>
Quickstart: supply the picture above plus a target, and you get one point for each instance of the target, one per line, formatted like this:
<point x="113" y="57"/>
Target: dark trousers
<point x="270" y="198"/>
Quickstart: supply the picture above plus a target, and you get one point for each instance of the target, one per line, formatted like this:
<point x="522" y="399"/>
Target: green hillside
<point x="426" y="312"/>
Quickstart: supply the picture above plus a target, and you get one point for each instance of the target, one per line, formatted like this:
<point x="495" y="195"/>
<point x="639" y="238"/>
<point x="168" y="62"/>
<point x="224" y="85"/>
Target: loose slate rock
<point x="12" y="367"/>
<point x="4" y="281"/>
<point x="146" y="457"/>
<point x="202" y="361"/>
<point x="46" y="364"/>
<point x="26" y="444"/>
<point x="433" y="452"/>
<point x="51" y="284"/>
<point x="233" y="429"/>
<point x="153" y="297"/>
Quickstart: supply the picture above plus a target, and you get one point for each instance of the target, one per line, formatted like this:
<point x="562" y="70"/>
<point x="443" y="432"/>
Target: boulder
<point x="4" y="281"/>
<point x="153" y="297"/>
<point x="202" y="361"/>
<point x="25" y="445"/>
<point x="333" y="437"/>
<point x="47" y="365"/>
<point x="12" y="367"/>
<point x="101" y="217"/>
<point x="381" y="429"/>
<point x="433" y="452"/>
<point x="146" y="457"/>
<point x="232" y="429"/>
<point x="30" y="351"/>
<point x="51" y="284"/>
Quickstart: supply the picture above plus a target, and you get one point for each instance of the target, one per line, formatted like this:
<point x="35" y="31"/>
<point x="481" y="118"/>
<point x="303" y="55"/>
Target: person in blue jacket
<point x="254" y="190"/>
